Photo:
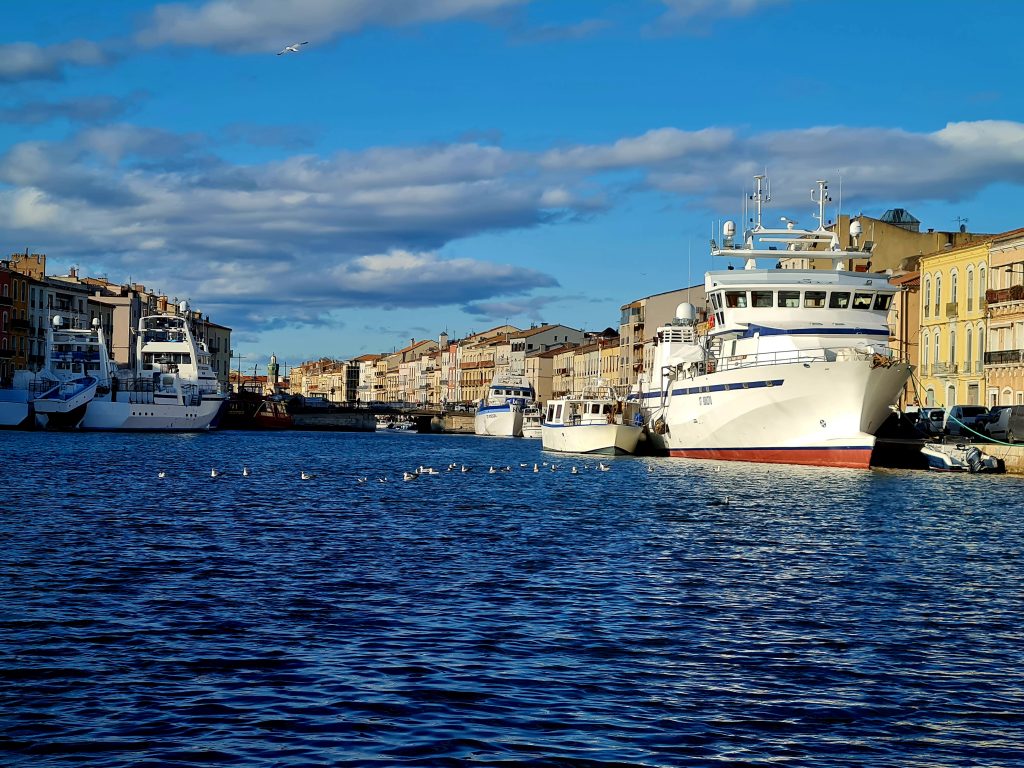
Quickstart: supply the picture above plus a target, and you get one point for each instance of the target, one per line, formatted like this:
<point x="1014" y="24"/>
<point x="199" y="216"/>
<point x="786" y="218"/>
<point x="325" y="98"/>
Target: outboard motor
<point x="974" y="462"/>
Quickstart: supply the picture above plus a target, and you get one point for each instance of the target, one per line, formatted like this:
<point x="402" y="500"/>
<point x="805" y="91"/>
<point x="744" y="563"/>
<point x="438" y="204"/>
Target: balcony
<point x="6" y="301"/>
<point x="944" y="369"/>
<point x="1001" y="295"/>
<point x="1005" y="357"/>
<point x="952" y="309"/>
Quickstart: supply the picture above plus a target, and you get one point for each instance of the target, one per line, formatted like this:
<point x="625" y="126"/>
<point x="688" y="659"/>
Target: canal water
<point x="662" y="613"/>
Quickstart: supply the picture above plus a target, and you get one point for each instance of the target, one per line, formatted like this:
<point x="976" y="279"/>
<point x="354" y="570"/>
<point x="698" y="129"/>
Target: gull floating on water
<point x="382" y="479"/>
<point x="574" y="471"/>
<point x="361" y="479"/>
<point x="307" y="475"/>
<point x="293" y="48"/>
<point x="465" y="468"/>
<point x="407" y="476"/>
<point x="161" y="473"/>
<point x="245" y="472"/>
<point x="492" y="471"/>
<point x="601" y="465"/>
<point x="536" y="468"/>
<point x="214" y="473"/>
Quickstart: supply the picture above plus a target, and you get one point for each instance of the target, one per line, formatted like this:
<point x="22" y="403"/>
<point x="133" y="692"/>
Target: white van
<point x="962" y="419"/>
<point x="1008" y="424"/>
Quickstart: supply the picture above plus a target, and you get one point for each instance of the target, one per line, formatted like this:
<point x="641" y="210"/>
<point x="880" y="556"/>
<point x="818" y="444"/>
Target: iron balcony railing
<point x="1004" y="357"/>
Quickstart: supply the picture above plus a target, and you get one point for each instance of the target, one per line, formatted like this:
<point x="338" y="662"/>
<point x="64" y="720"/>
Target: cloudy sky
<point x="428" y="165"/>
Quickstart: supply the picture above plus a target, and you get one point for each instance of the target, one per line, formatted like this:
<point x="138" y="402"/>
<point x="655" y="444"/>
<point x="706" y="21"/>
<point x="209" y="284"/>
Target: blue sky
<point x="424" y="165"/>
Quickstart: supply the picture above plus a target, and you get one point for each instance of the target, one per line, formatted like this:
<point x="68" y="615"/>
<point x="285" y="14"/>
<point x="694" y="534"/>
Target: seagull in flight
<point x="293" y="48"/>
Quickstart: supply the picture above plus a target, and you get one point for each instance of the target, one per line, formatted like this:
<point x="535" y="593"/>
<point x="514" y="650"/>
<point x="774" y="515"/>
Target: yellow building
<point x="953" y="319"/>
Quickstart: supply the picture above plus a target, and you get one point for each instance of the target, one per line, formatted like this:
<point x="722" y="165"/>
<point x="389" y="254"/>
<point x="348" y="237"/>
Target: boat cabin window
<point x="883" y="300"/>
<point x="761" y="298"/>
<point x="558" y="412"/>
<point x="595" y="407"/>
<point x="838" y="300"/>
<point x="716" y="302"/>
<point x="736" y="299"/>
<point x="814" y="299"/>
<point x="551" y="413"/>
<point x="789" y="299"/>
<point x="608" y="408"/>
<point x="862" y="300"/>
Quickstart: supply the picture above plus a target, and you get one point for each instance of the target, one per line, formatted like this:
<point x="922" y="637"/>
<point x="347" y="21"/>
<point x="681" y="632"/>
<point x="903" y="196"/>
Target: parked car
<point x="1008" y="424"/>
<point x="963" y="419"/>
<point x="929" y="420"/>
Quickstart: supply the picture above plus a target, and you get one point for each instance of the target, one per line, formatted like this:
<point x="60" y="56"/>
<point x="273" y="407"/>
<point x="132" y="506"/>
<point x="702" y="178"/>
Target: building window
<point x="950" y="396"/>
<point x="982" y="285"/>
<point x="952" y="286"/>
<point x="981" y="348"/>
<point x="970" y="290"/>
<point x="938" y="293"/>
<point x="952" y="348"/>
<point x="936" y="350"/>
<point x="927" y="295"/>
<point x="968" y="356"/>
<point x="924" y="352"/>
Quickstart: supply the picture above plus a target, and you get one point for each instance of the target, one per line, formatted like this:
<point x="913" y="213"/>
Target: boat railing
<point x="786" y="357"/>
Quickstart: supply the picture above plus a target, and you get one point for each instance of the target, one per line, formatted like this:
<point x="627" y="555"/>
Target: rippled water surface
<point x="663" y="613"/>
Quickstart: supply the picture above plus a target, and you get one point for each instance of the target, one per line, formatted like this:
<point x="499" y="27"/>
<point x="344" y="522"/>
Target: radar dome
<point x="57" y="321"/>
<point x="855" y="228"/>
<point x="686" y="311"/>
<point x="95" y="322"/>
<point x="729" y="229"/>
<point x="183" y="306"/>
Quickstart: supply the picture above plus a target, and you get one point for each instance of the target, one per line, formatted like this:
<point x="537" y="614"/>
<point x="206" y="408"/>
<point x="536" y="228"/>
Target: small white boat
<point x="960" y="457"/>
<point x="500" y="412"/>
<point x="594" y="421"/>
<point x="532" y="419"/>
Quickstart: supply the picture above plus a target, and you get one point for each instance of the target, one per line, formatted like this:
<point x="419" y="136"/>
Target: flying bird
<point x="293" y="48"/>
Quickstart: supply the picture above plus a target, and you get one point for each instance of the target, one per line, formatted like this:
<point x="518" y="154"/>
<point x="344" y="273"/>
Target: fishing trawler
<point x="75" y="363"/>
<point x="794" y="365"/>
<point x="592" y="421"/>
<point x="500" y="412"/>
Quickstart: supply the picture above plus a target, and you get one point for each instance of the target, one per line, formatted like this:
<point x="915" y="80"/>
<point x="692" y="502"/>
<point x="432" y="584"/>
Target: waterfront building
<point x="562" y="370"/>
<point x="586" y="366"/>
<point x="893" y="242"/>
<point x="366" y="367"/>
<point x="953" y="317"/>
<point x="539" y="338"/>
<point x="7" y="288"/>
<point x="1004" y="358"/>
<point x="640" y="319"/>
<point x="539" y="369"/>
<point x="394" y="377"/>
<point x="905" y="330"/>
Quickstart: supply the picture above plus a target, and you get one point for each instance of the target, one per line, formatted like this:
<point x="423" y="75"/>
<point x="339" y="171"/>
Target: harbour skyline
<point x="452" y="165"/>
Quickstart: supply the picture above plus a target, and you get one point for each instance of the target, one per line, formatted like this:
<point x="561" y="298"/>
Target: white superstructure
<point x="500" y="412"/>
<point x="173" y="387"/>
<point x="593" y="421"/>
<point x="532" y="418"/>
<point x="795" y="365"/>
<point x="76" y="363"/>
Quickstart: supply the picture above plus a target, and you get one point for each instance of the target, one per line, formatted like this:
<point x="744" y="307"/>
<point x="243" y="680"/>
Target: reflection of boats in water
<point x="593" y="421"/>
<point x="960" y="457"/>
<point x="795" y="365"/>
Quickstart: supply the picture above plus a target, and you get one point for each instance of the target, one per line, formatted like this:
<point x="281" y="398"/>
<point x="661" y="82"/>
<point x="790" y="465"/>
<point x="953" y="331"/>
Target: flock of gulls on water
<point x="422" y="470"/>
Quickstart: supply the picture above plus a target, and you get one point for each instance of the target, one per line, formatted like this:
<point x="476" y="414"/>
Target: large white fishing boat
<point x="593" y="421"/>
<point x="794" y="367"/>
<point x="173" y="388"/>
<point x="75" y="364"/>
<point x="500" y="412"/>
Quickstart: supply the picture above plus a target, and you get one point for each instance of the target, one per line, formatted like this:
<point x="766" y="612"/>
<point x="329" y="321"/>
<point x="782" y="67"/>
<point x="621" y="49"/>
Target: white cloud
<point x="28" y="61"/>
<point x="368" y="228"/>
<point x="681" y="12"/>
<point x="247" y="26"/>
